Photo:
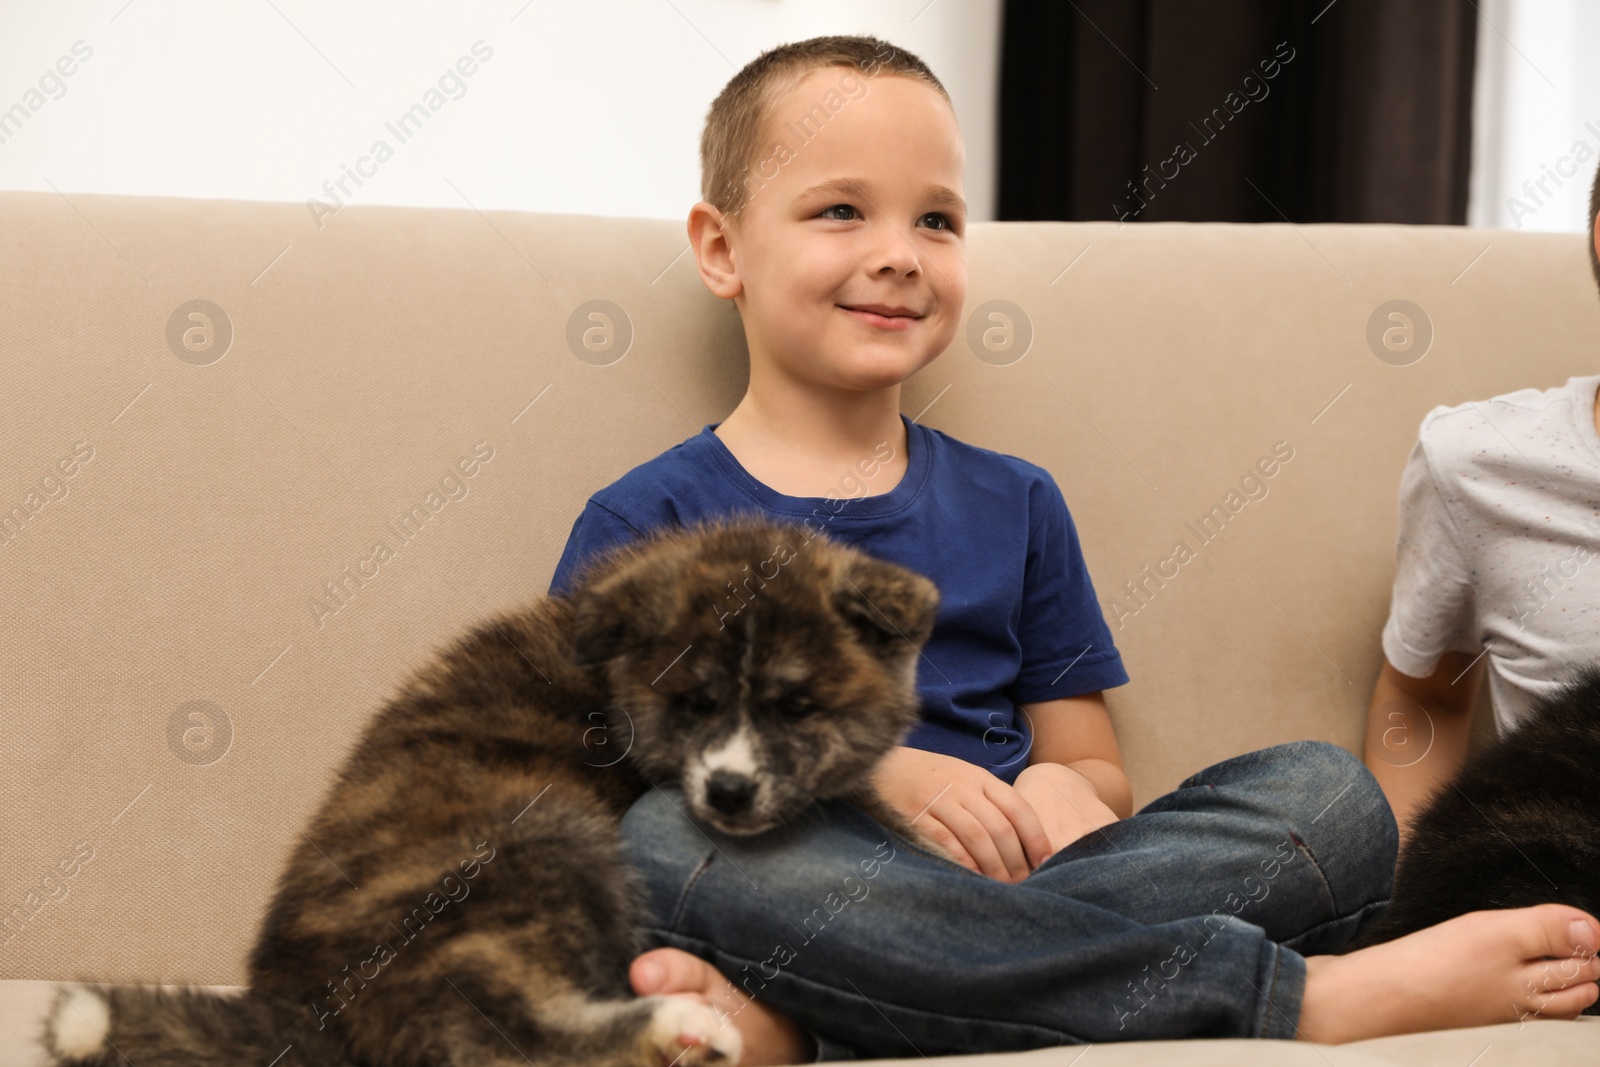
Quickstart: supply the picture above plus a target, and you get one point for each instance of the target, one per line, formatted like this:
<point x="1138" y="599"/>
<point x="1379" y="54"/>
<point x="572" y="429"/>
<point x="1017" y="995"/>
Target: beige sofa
<point x="197" y="626"/>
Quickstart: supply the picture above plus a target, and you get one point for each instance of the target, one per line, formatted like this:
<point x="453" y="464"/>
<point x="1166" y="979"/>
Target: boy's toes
<point x="1553" y="1001"/>
<point x="1533" y="932"/>
<point x="1583" y="934"/>
<point x="1563" y="931"/>
<point x="1540" y="979"/>
<point x="671" y="970"/>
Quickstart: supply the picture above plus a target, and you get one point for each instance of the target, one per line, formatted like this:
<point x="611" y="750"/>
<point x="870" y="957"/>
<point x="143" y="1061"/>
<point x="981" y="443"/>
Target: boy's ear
<point x="886" y="603"/>
<point x="710" y="236"/>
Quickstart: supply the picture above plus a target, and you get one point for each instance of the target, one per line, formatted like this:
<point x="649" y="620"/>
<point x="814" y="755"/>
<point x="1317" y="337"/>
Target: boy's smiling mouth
<point x="883" y="316"/>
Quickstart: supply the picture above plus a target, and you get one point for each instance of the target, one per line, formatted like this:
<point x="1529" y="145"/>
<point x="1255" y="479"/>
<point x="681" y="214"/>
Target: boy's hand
<point x="1066" y="801"/>
<point x="981" y="821"/>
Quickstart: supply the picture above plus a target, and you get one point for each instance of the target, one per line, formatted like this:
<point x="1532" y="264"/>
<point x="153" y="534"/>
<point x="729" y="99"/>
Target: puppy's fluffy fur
<point x="1519" y="825"/>
<point x="460" y="898"/>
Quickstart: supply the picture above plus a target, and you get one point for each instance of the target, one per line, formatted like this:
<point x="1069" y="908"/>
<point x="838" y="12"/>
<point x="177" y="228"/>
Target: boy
<point x="1495" y="523"/>
<point x="935" y="956"/>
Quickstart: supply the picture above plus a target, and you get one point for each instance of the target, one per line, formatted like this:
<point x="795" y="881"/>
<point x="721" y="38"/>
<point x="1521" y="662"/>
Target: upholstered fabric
<point x="198" y="620"/>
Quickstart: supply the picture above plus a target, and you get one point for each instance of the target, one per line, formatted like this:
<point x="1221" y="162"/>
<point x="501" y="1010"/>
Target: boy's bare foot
<point x="769" y="1038"/>
<point x="1477" y="969"/>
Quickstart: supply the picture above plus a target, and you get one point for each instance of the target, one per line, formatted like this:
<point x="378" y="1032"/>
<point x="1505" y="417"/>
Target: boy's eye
<point x="948" y="224"/>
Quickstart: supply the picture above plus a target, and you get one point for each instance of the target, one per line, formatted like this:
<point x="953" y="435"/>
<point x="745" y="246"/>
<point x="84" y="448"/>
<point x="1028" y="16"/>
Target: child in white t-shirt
<point x="1496" y="571"/>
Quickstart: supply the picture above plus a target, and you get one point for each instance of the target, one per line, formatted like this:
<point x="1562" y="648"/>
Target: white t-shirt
<point x="1499" y="536"/>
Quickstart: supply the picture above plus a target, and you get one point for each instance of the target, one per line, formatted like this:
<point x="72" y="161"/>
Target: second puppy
<point x="1519" y="825"/>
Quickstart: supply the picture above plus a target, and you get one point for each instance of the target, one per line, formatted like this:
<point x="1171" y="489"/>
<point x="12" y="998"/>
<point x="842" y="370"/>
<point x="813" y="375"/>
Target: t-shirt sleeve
<point x="596" y="529"/>
<point x="1066" y="645"/>
<point x="1432" y="606"/>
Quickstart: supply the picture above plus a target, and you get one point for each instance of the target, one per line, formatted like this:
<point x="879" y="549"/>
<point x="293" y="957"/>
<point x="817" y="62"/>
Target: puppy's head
<point x="762" y="665"/>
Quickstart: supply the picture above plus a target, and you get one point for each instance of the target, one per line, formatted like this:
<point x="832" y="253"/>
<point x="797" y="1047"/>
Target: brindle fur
<point x="650" y="654"/>
<point x="1519" y="825"/>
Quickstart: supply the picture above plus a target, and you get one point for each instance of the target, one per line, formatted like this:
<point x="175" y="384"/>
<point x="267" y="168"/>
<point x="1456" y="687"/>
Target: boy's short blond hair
<point x="731" y="140"/>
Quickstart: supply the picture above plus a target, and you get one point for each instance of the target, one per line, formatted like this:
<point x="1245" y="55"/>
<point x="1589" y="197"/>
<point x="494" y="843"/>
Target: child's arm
<point x="1074" y="778"/>
<point x="1076" y="732"/>
<point x="1418" y="730"/>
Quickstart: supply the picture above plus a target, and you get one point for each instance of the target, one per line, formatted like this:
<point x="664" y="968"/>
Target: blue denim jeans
<point x="1192" y="918"/>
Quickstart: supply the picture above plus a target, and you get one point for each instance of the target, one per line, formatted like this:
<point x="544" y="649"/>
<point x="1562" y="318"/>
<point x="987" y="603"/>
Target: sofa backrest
<point x="215" y="412"/>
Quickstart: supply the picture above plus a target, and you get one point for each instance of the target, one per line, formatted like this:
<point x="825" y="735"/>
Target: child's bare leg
<point x="770" y="1038"/>
<point x="1477" y="969"/>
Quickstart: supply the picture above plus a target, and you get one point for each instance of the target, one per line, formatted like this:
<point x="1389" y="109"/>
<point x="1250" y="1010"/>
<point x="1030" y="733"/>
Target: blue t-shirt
<point x="1018" y="620"/>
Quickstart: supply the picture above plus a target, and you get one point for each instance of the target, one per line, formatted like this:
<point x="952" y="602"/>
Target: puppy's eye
<point x="699" y="704"/>
<point x="795" y="707"/>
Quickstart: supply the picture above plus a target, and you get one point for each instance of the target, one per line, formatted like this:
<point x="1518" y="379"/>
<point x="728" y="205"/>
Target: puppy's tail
<point x="112" y="1026"/>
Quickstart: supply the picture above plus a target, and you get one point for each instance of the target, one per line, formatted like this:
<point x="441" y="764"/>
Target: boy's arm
<point x="1418" y="730"/>
<point x="595" y="530"/>
<point x="1076" y="732"/>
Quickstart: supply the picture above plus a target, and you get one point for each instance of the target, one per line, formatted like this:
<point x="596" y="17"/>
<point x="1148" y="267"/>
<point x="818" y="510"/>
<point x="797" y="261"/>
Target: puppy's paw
<point x="688" y="1033"/>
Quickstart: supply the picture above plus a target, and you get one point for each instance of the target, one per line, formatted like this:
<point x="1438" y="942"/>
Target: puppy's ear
<point x="885" y="602"/>
<point x="622" y="606"/>
<point x="598" y="632"/>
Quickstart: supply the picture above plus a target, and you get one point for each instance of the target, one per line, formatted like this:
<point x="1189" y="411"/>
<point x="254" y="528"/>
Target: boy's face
<point x="795" y="258"/>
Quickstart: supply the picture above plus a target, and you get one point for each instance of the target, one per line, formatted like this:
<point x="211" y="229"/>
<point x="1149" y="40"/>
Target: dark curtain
<point x="1236" y="110"/>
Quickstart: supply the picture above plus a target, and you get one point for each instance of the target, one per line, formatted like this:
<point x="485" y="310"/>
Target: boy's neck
<point x="820" y="451"/>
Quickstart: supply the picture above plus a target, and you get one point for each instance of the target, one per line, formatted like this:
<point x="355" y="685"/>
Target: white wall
<point x="592" y="107"/>
<point x="1536" y="114"/>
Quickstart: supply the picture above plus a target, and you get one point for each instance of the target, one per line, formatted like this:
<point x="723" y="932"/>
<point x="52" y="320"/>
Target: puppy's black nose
<point x="729" y="793"/>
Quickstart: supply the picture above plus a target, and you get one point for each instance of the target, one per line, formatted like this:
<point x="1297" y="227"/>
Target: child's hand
<point x="1065" y="801"/>
<point x="981" y="821"/>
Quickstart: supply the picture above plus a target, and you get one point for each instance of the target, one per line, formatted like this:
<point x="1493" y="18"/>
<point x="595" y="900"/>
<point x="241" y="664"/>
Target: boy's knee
<point x="1318" y="754"/>
<point x="1341" y="786"/>
<point x="1330" y="803"/>
<point x="1347" y="822"/>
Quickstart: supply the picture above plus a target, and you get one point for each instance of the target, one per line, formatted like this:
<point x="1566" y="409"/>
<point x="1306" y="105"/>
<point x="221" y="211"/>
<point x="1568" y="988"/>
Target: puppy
<point x="459" y="898"/>
<point x="1518" y="826"/>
